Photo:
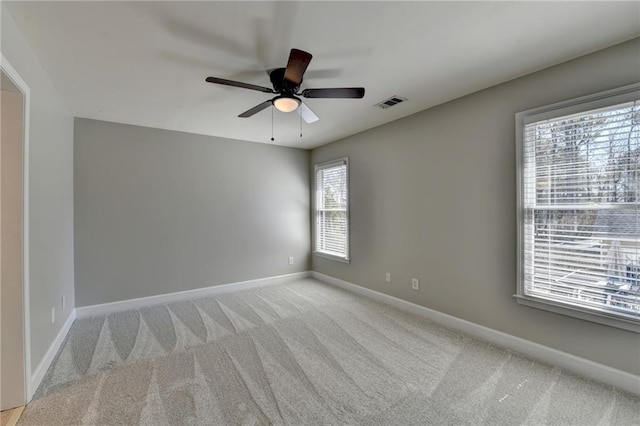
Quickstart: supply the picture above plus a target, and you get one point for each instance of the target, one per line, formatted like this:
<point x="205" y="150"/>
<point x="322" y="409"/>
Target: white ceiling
<point x="145" y="63"/>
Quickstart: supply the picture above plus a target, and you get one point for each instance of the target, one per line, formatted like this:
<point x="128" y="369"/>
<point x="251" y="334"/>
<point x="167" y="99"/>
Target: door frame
<point x="13" y="75"/>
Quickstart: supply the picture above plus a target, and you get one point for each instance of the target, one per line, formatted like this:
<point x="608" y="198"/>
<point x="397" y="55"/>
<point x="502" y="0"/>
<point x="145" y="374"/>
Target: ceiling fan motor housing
<point x="280" y="85"/>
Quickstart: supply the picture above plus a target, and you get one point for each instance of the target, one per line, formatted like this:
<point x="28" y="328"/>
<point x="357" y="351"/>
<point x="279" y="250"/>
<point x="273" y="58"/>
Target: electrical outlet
<point x="388" y="277"/>
<point x="415" y="283"/>
<point x="53" y="314"/>
<point x="291" y="260"/>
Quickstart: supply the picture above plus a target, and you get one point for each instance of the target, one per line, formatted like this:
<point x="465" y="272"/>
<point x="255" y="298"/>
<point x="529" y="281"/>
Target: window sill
<point x="331" y="257"/>
<point x="577" y="312"/>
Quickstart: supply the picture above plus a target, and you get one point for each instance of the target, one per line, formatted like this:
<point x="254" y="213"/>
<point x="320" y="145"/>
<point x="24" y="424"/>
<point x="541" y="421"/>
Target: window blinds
<point x="332" y="226"/>
<point x="581" y="198"/>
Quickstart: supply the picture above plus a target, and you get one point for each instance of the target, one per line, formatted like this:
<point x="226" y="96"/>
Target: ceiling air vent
<point x="388" y="103"/>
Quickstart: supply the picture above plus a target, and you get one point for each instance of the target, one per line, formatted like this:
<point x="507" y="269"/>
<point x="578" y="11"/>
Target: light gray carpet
<point x="304" y="353"/>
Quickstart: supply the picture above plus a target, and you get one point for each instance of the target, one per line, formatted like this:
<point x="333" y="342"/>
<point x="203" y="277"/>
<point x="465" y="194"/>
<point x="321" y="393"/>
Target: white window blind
<point x="332" y="208"/>
<point x="580" y="230"/>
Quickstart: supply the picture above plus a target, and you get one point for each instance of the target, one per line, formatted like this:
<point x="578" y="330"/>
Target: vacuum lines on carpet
<point x="303" y="353"/>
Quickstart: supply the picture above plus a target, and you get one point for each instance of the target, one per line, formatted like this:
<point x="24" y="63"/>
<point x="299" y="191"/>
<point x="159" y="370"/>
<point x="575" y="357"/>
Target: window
<point x="579" y="208"/>
<point x="332" y="210"/>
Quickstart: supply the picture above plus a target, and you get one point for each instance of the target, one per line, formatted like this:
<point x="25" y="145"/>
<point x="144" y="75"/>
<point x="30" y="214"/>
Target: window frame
<point x="315" y="251"/>
<point x="564" y="108"/>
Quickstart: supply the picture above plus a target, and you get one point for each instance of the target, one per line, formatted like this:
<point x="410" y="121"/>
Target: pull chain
<point x="272" y="125"/>
<point x="300" y="122"/>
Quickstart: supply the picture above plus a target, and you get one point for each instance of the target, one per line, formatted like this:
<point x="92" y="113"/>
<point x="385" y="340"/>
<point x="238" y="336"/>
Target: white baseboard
<point x="584" y="367"/>
<point x="40" y="371"/>
<point x="125" y="305"/>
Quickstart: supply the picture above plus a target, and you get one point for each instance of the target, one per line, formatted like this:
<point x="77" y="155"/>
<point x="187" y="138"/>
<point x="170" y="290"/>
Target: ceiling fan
<point x="286" y="84"/>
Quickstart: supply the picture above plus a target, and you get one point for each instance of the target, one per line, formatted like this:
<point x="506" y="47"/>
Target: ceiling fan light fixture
<point x="286" y="103"/>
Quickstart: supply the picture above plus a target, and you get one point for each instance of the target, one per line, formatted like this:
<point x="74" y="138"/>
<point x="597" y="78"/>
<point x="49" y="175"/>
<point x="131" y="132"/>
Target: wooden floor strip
<point x="11" y="417"/>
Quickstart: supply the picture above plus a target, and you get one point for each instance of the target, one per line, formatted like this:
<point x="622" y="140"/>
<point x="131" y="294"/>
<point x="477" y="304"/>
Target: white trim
<point x="578" y="312"/>
<point x="26" y="91"/>
<point x="40" y="371"/>
<point x="584" y="367"/>
<point x="331" y="257"/>
<point x="141" y="302"/>
<point x="583" y="103"/>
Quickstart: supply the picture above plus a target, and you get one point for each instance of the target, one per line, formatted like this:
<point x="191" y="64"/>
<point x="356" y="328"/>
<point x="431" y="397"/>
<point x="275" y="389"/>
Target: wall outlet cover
<point x="415" y="283"/>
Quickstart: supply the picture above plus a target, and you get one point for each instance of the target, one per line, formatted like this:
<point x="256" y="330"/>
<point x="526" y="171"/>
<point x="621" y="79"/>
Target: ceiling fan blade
<point x="337" y="92"/>
<point x="306" y="113"/>
<point x="256" y="109"/>
<point x="238" y="84"/>
<point x="297" y="65"/>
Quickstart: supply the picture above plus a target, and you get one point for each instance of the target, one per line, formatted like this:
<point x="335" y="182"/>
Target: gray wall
<point x="433" y="196"/>
<point x="158" y="211"/>
<point x="50" y="194"/>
